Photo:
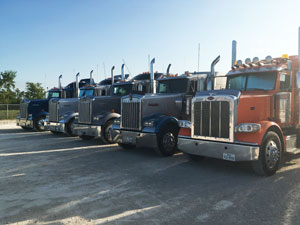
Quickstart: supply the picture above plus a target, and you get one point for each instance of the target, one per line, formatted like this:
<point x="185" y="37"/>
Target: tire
<point x="106" y="132"/>
<point x="126" y="146"/>
<point x="86" y="137"/>
<point x="167" y="141"/>
<point x="70" y="128"/>
<point x="39" y="123"/>
<point x="26" y="128"/>
<point x="196" y="158"/>
<point x="270" y="155"/>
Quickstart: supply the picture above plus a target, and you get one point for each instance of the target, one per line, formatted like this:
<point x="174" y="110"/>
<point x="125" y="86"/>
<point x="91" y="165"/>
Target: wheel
<point x="106" y="132"/>
<point x="70" y="128"/>
<point x="167" y="141"/>
<point x="39" y="123"/>
<point x="126" y="146"/>
<point x="196" y="158"/>
<point x="26" y="128"/>
<point x="55" y="132"/>
<point x="270" y="155"/>
<point x="86" y="137"/>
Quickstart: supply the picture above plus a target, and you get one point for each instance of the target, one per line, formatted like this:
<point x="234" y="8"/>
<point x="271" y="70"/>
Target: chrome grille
<point x="53" y="110"/>
<point x="84" y="111"/>
<point x="212" y="119"/>
<point x="131" y="114"/>
<point x="24" y="110"/>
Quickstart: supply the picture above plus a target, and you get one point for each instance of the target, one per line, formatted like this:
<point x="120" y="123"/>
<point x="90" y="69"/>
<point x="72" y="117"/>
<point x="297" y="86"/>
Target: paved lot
<point x="47" y="179"/>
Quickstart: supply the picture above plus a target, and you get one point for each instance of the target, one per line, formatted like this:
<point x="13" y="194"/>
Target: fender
<point x="257" y="137"/>
<point x="37" y="115"/>
<point x="69" y="117"/>
<point x="160" y="122"/>
<point x="108" y="116"/>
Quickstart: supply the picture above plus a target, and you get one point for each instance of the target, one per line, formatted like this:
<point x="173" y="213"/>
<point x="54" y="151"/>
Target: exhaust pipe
<point x="112" y="75"/>
<point x="168" y="69"/>
<point x="122" y="72"/>
<point x="298" y="51"/>
<point x="152" y="78"/>
<point x="77" y="85"/>
<point x="91" y="76"/>
<point x="211" y="77"/>
<point x="233" y="57"/>
<point x="59" y="82"/>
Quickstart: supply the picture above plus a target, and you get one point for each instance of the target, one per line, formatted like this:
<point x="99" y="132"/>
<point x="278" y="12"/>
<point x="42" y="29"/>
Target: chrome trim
<point x="139" y="139"/>
<point x="232" y="100"/>
<point x="91" y="130"/>
<point x="219" y="150"/>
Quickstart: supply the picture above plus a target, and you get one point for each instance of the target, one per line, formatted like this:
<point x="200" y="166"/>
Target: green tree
<point x="34" y="91"/>
<point x="7" y="85"/>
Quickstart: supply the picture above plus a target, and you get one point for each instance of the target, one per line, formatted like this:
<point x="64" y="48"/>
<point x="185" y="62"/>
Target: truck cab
<point x="255" y="119"/>
<point x="33" y="112"/>
<point x="96" y="114"/>
<point x="152" y="120"/>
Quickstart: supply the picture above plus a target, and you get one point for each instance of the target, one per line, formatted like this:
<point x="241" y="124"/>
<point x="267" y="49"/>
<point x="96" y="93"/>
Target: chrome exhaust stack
<point x="77" y="85"/>
<point x="152" y="78"/>
<point x="59" y="82"/>
<point x="233" y="57"/>
<point x="122" y="72"/>
<point x="211" y="77"/>
<point x="168" y="69"/>
<point x="91" y="76"/>
<point x="112" y="75"/>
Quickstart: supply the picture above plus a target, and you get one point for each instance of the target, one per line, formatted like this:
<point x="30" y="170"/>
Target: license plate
<point x="129" y="139"/>
<point x="229" y="156"/>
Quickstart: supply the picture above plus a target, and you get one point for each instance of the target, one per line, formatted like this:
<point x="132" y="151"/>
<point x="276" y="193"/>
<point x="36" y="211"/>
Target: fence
<point x="9" y="111"/>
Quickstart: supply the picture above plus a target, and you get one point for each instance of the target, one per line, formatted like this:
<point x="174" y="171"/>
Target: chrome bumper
<point x="54" y="126"/>
<point x="219" y="150"/>
<point x="89" y="130"/>
<point x="25" y="123"/>
<point x="138" y="139"/>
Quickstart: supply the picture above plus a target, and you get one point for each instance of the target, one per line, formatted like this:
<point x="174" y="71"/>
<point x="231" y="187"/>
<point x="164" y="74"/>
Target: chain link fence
<point x="9" y="111"/>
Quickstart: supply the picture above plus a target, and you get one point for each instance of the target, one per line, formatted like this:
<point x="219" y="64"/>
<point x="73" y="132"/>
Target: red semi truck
<point x="256" y="118"/>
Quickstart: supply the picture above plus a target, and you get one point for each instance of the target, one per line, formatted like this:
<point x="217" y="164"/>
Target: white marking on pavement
<point x="223" y="204"/>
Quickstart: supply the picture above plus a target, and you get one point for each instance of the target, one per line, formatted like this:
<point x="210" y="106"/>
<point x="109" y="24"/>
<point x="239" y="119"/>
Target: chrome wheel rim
<point x="41" y="124"/>
<point x="109" y="133"/>
<point x="169" y="141"/>
<point x="272" y="154"/>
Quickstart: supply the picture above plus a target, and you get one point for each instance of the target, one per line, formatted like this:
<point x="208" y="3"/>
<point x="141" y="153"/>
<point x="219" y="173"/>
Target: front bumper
<point x="138" y="139"/>
<point x="89" y="130"/>
<point x="219" y="150"/>
<point x="25" y="123"/>
<point x="54" y="126"/>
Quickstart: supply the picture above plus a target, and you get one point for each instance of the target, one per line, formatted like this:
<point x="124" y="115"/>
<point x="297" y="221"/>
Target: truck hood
<point x="168" y="104"/>
<point x="104" y="104"/>
<point x="253" y="108"/>
<point x="68" y="105"/>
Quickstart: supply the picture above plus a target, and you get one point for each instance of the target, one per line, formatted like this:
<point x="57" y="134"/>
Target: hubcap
<point x="169" y="141"/>
<point x="109" y="133"/>
<point x="272" y="154"/>
<point x="41" y="124"/>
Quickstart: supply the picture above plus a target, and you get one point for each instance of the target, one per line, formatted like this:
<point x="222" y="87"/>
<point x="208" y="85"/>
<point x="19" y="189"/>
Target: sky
<point x="41" y="39"/>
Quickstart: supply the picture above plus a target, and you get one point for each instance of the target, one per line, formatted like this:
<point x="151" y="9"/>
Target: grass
<point x="12" y="114"/>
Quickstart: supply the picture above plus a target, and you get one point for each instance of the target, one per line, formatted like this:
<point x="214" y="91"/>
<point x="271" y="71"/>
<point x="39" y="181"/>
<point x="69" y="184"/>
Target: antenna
<point x="98" y="72"/>
<point x="104" y="70"/>
<point x="148" y="62"/>
<point x="198" y="56"/>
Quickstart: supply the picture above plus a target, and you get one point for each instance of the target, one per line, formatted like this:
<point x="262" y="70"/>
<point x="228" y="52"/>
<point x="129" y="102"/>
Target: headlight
<point x="149" y="123"/>
<point x="248" y="127"/>
<point x="29" y="115"/>
<point x="117" y="121"/>
<point x="184" y="124"/>
<point x="97" y="117"/>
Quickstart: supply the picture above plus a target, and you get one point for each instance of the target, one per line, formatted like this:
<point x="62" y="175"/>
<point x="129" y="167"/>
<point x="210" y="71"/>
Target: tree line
<point x="9" y="94"/>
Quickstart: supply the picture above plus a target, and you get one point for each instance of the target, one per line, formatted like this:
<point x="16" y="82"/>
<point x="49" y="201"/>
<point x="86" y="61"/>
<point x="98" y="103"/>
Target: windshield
<point x="172" y="86"/>
<point x="252" y="81"/>
<point x="53" y="94"/>
<point x="122" y="89"/>
<point x="86" y="92"/>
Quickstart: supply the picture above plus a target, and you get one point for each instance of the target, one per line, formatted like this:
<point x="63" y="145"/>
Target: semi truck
<point x="151" y="120"/>
<point x="255" y="119"/>
<point x="33" y="112"/>
<point x="96" y="114"/>
<point x="62" y="112"/>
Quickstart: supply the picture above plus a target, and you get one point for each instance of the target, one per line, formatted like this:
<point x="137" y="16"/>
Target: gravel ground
<point x="48" y="179"/>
